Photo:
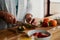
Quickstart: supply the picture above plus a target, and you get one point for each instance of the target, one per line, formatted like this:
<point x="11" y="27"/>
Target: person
<point x="6" y="19"/>
<point x="19" y="8"/>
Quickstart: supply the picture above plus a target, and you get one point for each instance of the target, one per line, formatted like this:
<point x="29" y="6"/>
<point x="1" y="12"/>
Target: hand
<point x="29" y="19"/>
<point x="9" y="18"/>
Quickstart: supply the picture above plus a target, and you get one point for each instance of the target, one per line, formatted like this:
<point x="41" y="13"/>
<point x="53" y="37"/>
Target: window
<point x="54" y="6"/>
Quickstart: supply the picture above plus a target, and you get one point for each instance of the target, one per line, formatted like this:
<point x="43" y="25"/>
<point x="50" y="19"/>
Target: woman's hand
<point x="30" y="20"/>
<point x="9" y="18"/>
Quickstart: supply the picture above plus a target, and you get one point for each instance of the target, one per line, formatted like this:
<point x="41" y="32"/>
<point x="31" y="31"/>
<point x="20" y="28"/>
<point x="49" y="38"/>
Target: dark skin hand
<point x="29" y="19"/>
<point x="9" y="18"/>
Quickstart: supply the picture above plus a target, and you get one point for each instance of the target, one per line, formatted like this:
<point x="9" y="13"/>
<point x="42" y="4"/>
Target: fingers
<point x="9" y="18"/>
<point x="33" y="22"/>
<point x="14" y="21"/>
<point x="30" y="21"/>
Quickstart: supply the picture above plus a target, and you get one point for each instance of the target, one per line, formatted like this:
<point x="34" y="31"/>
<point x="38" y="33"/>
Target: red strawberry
<point x="39" y="35"/>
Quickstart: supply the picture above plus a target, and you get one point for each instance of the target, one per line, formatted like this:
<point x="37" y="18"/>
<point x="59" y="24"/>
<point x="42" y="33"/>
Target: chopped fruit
<point x="40" y="35"/>
<point x="44" y="35"/>
<point x="53" y="23"/>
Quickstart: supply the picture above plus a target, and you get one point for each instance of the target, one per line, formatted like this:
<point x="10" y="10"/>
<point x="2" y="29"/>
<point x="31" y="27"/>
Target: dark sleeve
<point x="3" y="5"/>
<point x="3" y="24"/>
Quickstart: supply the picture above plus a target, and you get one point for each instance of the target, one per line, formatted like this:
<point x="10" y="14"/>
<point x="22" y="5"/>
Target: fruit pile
<point x="40" y="35"/>
<point x="48" y="22"/>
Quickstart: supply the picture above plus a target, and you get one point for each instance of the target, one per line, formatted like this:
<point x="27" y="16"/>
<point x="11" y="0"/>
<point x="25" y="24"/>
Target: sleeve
<point x="3" y="24"/>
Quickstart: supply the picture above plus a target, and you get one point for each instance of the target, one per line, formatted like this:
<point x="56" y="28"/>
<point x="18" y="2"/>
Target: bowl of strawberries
<point x="39" y="35"/>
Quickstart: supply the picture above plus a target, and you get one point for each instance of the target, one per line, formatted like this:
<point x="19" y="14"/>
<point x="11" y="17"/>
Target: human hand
<point x="30" y="20"/>
<point x="9" y="18"/>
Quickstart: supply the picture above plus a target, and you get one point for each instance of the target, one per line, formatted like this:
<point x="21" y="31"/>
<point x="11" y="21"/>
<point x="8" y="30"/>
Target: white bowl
<point x="31" y="32"/>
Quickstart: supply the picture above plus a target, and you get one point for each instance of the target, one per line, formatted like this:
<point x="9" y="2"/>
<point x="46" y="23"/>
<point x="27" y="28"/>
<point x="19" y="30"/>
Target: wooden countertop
<point x="14" y="35"/>
<point x="10" y="35"/>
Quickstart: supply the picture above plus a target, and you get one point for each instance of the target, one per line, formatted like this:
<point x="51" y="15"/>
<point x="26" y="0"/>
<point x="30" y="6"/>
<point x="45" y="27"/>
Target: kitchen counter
<point x="10" y="35"/>
<point x="13" y="34"/>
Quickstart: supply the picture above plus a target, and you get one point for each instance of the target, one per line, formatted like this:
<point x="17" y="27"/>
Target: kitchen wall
<point x="54" y="7"/>
<point x="37" y="8"/>
<point x="45" y="7"/>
